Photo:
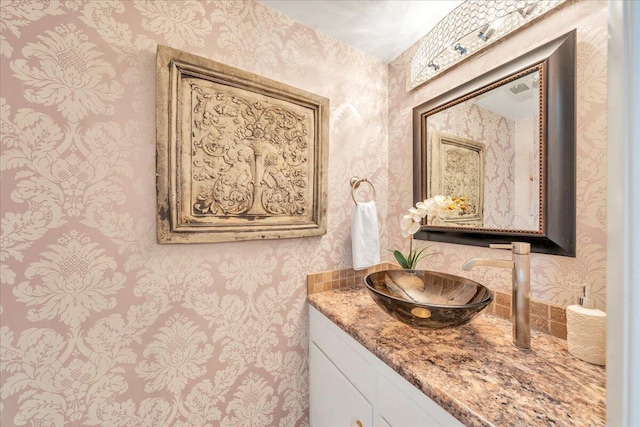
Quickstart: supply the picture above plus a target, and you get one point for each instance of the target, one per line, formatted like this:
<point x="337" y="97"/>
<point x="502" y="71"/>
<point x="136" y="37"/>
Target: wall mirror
<point x="504" y="141"/>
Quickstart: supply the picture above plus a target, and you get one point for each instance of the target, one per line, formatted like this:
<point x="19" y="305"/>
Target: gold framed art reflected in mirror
<point x="456" y="168"/>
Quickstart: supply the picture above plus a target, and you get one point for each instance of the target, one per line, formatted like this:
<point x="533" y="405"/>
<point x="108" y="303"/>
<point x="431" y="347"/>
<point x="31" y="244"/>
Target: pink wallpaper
<point x="99" y="324"/>
<point x="551" y="275"/>
<point x="102" y="326"/>
<point x="526" y="174"/>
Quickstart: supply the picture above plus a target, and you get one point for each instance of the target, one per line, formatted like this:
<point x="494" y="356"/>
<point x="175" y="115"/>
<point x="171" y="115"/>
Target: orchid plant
<point x="438" y="206"/>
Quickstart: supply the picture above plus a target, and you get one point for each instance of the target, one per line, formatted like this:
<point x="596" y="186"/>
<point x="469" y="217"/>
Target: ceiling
<point x="516" y="100"/>
<point x="381" y="28"/>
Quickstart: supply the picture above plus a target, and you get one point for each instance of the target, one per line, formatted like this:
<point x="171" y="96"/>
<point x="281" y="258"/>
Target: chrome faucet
<point x="520" y="283"/>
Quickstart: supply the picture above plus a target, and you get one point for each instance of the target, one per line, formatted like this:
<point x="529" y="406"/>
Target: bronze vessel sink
<point x="427" y="299"/>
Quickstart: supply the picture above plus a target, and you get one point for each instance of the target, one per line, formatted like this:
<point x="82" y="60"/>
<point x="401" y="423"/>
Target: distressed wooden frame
<point x="437" y="181"/>
<point x="238" y="156"/>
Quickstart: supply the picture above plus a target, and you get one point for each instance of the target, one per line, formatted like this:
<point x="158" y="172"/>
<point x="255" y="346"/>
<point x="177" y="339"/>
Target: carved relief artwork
<point x="457" y="170"/>
<point x="247" y="157"/>
<point x="240" y="156"/>
<point x="461" y="175"/>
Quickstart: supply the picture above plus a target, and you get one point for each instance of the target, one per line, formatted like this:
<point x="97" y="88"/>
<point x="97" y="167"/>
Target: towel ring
<point x="355" y="183"/>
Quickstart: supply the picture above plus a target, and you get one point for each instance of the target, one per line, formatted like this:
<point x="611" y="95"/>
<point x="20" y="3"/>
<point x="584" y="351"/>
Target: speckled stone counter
<point x="474" y="372"/>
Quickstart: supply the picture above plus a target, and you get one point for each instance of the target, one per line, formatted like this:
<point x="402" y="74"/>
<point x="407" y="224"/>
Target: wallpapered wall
<point x="101" y="325"/>
<point x="497" y="133"/>
<point x="526" y="174"/>
<point x="550" y="275"/>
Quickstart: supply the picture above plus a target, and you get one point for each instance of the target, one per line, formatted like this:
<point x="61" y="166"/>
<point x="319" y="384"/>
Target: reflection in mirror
<point x="486" y="149"/>
<point x="456" y="169"/>
<point x="505" y="142"/>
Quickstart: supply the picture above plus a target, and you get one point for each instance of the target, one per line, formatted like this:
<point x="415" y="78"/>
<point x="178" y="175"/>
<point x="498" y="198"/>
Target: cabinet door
<point x="400" y="404"/>
<point x="381" y="422"/>
<point x="333" y="400"/>
<point x="353" y="360"/>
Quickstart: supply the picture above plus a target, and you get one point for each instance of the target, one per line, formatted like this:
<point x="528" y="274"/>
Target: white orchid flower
<point x="417" y="213"/>
<point x="431" y="206"/>
<point x="440" y="199"/>
<point x="444" y="204"/>
<point x="409" y="226"/>
<point x="414" y="228"/>
<point x="406" y="222"/>
<point x="440" y="206"/>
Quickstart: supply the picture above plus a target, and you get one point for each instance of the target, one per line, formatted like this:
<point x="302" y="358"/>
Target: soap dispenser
<point x="587" y="329"/>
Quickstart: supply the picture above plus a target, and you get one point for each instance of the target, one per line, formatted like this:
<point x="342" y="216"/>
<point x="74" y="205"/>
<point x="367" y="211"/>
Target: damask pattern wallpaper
<point x="102" y="326"/>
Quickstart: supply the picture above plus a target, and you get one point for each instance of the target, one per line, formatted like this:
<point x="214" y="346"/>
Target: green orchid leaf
<point x="411" y="260"/>
<point x="416" y="255"/>
<point x="401" y="259"/>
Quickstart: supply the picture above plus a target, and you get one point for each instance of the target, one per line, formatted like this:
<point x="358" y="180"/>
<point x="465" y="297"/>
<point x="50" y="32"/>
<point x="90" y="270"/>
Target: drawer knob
<point x="356" y="423"/>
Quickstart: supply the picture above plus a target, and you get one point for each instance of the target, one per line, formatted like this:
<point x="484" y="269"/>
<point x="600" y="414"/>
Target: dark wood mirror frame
<point x="557" y="234"/>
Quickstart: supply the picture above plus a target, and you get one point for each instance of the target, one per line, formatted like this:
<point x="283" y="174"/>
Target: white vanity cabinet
<point x="351" y="387"/>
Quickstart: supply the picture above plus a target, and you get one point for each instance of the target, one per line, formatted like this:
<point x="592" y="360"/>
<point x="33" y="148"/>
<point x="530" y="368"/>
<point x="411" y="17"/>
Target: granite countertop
<point x="474" y="372"/>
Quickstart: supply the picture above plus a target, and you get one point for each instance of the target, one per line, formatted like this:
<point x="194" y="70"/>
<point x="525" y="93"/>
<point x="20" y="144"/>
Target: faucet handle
<point x="520" y="248"/>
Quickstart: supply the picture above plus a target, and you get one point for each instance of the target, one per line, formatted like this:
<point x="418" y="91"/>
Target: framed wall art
<point x="239" y="156"/>
<point x="457" y="169"/>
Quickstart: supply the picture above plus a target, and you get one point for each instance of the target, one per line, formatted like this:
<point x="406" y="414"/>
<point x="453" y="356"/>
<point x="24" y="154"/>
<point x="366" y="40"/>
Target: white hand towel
<point x="365" y="239"/>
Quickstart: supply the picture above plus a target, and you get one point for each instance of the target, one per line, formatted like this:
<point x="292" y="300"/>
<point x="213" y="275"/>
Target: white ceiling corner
<point x="381" y="28"/>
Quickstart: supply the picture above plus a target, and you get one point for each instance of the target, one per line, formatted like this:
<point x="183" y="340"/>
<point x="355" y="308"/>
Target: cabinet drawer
<point x="344" y="352"/>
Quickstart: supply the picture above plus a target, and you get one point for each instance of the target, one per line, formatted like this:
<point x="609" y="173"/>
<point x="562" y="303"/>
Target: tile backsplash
<point x="337" y="279"/>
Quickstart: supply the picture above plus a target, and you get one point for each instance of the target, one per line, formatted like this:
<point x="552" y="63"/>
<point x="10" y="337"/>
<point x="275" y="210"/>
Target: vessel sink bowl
<point x="427" y="299"/>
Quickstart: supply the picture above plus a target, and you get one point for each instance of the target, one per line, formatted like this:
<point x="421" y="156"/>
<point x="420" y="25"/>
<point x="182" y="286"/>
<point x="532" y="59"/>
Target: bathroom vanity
<point x="352" y="387"/>
<point x="367" y="369"/>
